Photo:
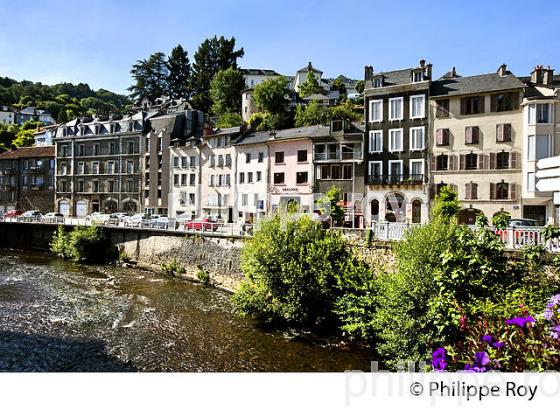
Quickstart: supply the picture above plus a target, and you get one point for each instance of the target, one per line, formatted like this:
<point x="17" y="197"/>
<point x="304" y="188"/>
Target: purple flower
<point x="491" y="340"/>
<point x="555" y="333"/>
<point x="499" y="345"/>
<point x="520" y="321"/>
<point x="480" y="364"/>
<point x="438" y="359"/>
<point x="487" y="339"/>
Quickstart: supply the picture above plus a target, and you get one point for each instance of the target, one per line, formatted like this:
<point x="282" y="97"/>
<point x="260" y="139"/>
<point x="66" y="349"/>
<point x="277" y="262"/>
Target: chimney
<point x="548" y="76"/>
<point x="309" y="66"/>
<point x="502" y="71"/>
<point x="537" y="75"/>
<point x="242" y="128"/>
<point x="368" y="76"/>
<point x="422" y="63"/>
<point x="429" y="71"/>
<point x="207" y="130"/>
<point x="453" y="72"/>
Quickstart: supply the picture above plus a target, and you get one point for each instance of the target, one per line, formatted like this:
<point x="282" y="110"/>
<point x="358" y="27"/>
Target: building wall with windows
<point x="7" y="114"/>
<point x="477" y="141"/>
<point x="395" y="142"/>
<point x="541" y="139"/>
<point x="27" y="179"/>
<point x="98" y="165"/>
<point x="185" y="186"/>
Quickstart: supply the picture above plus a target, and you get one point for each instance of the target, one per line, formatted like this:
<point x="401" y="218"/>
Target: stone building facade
<point x="27" y="179"/>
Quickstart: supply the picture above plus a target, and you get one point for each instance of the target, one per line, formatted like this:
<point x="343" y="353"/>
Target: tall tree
<point x="213" y="55"/>
<point x="150" y="77"/>
<point x="311" y="114"/>
<point x="178" y="80"/>
<point x="225" y="91"/>
<point x="310" y="86"/>
<point x="271" y="95"/>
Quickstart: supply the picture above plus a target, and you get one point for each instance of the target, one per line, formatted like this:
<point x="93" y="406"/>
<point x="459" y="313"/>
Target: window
<point x="95" y="167"/>
<point x="183" y="179"/>
<point x="80" y="186"/>
<point x="302" y="155"/>
<point x="335" y="171"/>
<point x="241" y="177"/>
<point x="378" y="82"/>
<point x="301" y="178"/>
<point x="191" y="199"/>
<point x="129" y="167"/>
<point x="111" y="148"/>
<point x="278" y="177"/>
<point x="212" y="160"/>
<point x="502" y="190"/>
<point x="376" y="141"/>
<point x="110" y="186"/>
<point x="336" y="125"/>
<point x="471" y="135"/>
<point x="442" y="108"/>
<point x="221" y="160"/>
<point x="471" y="191"/>
<point x="417" y="76"/>
<point x="531" y="181"/>
<point x="192" y="179"/>
<point x="131" y="147"/>
<point x="244" y="199"/>
<point x="417" y="109"/>
<point x="375" y="171"/>
<point x="471" y="161"/>
<point x="502" y="160"/>
<point x="442" y="162"/>
<point x="211" y="181"/>
<point x="250" y="177"/>
<point x="81" y="150"/>
<point x="183" y="162"/>
<point x="259" y="176"/>
<point x="442" y="136"/>
<point x="160" y="144"/>
<point x="503" y="132"/>
<point x="417" y="139"/>
<point x="95" y="149"/>
<point x="539" y="147"/>
<point x="228" y="160"/>
<point x="395" y="170"/>
<point x="176" y="179"/>
<point x="175" y="161"/>
<point x="247" y="157"/>
<point x="395" y="108"/>
<point x="395" y="140"/>
<point x="540" y="114"/>
<point x="261" y="156"/>
<point x="279" y="157"/>
<point x="192" y="161"/>
<point x="504" y="102"/>
<point x="81" y="168"/>
<point x="416" y="169"/>
<point x="472" y="105"/>
<point x="347" y="171"/>
<point x="376" y="111"/>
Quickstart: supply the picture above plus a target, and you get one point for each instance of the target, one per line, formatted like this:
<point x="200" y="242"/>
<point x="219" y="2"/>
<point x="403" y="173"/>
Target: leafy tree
<point x="360" y="86"/>
<point x="310" y="86"/>
<point x="8" y="133"/>
<point x="311" y="114"/>
<point x="225" y="91"/>
<point x="500" y="220"/>
<point x="446" y="203"/>
<point x="271" y="95"/>
<point x="229" y="119"/>
<point x="338" y="85"/>
<point x="213" y="55"/>
<point x="334" y="196"/>
<point x="150" y="77"/>
<point x="178" y="80"/>
<point x="265" y="121"/>
<point x="345" y="111"/>
<point x="24" y="138"/>
<point x="62" y="117"/>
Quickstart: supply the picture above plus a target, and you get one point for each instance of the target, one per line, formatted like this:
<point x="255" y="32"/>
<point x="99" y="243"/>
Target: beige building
<point x="476" y="141"/>
<point x="541" y="139"/>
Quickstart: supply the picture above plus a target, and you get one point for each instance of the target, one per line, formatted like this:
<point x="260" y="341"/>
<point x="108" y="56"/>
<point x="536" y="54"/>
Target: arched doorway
<point x="110" y="206"/>
<point x="468" y="216"/>
<point x="130" y="206"/>
<point x="374" y="210"/>
<point x="81" y="208"/>
<point x="395" y="204"/>
<point x="416" y="211"/>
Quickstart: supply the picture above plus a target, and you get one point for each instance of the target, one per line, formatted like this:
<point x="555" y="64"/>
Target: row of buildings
<point x="12" y="115"/>
<point x="480" y="135"/>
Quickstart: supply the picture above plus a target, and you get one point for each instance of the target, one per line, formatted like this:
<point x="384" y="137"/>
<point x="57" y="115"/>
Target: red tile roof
<point x="28" y="152"/>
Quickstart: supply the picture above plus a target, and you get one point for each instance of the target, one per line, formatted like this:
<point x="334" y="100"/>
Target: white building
<point x="7" y="115"/>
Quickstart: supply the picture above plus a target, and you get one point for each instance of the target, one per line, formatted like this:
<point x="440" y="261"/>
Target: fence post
<point x="511" y="237"/>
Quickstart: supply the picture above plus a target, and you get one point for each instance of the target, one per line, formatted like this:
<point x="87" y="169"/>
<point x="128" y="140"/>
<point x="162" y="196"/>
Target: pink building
<point x="291" y="166"/>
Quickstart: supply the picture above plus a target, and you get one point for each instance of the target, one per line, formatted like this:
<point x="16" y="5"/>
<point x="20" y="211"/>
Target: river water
<point x="59" y="316"/>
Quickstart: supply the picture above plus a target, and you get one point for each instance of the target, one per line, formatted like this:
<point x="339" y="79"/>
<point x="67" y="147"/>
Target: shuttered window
<point x="471" y="135"/>
<point x="442" y="136"/>
<point x="471" y="191"/>
<point x="503" y="132"/>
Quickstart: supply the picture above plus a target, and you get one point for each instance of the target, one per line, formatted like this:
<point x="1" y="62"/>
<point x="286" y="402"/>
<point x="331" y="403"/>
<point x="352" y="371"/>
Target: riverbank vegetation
<point x="83" y="244"/>
<point x="453" y="295"/>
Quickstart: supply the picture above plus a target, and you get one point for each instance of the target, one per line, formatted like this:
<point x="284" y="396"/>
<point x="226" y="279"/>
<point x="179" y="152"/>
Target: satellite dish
<point x="39" y="163"/>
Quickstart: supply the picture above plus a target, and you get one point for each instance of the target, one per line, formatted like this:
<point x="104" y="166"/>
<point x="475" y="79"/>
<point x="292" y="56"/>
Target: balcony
<point x="397" y="179"/>
<point x="338" y="156"/>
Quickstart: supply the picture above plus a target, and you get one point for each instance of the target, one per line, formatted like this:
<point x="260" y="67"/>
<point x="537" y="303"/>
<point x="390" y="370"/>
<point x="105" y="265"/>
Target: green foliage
<point x="550" y="232"/>
<point x="533" y="253"/>
<point x="264" y="121"/>
<point x="501" y="219"/>
<point x="333" y="197"/>
<point x="225" y="91"/>
<point x="310" y="86"/>
<point x="83" y="244"/>
<point x="345" y="111"/>
<point x="179" y="67"/>
<point x="446" y="203"/>
<point x="271" y="95"/>
<point x="24" y="138"/>
<point x="172" y="267"/>
<point x="213" y="55"/>
<point x="229" y="119"/>
<point x="295" y="272"/>
<point x="338" y="85"/>
<point x="360" y="86"/>
<point x="313" y="113"/>
<point x="150" y="77"/>
<point x="203" y="276"/>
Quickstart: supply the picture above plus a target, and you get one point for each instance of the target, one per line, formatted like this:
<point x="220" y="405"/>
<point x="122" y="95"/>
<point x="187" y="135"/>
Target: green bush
<point x="295" y="273"/>
<point x="90" y="245"/>
<point x="446" y="203"/>
<point x="500" y="220"/>
<point x="203" y="276"/>
<point x="59" y="244"/>
<point x="172" y="267"/>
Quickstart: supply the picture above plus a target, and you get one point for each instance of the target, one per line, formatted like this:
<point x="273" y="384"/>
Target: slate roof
<point x="396" y="77"/>
<point x="29" y="152"/>
<point x="475" y="84"/>
<point x="258" y="71"/>
<point x="254" y="138"/>
<point x="306" y="68"/>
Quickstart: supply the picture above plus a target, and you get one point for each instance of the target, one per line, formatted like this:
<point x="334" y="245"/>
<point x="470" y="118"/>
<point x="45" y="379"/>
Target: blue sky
<point x="97" y="41"/>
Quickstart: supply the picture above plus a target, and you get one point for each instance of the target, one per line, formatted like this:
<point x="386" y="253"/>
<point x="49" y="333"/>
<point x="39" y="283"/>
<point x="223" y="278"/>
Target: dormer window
<point x="417" y="76"/>
<point x="378" y="82"/>
<point x="97" y="127"/>
<point x="130" y="126"/>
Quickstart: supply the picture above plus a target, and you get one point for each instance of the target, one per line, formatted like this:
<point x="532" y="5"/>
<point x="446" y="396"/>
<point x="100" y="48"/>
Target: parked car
<point x="160" y="222"/>
<point x="135" y="220"/>
<point x="97" y="218"/>
<point x="13" y="213"/>
<point x="202" y="224"/>
<point x="53" y="217"/>
<point x="523" y="222"/>
<point x="116" y="218"/>
<point x="30" y="216"/>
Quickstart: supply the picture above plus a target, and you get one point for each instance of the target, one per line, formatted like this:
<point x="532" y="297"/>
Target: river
<point x="56" y="315"/>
